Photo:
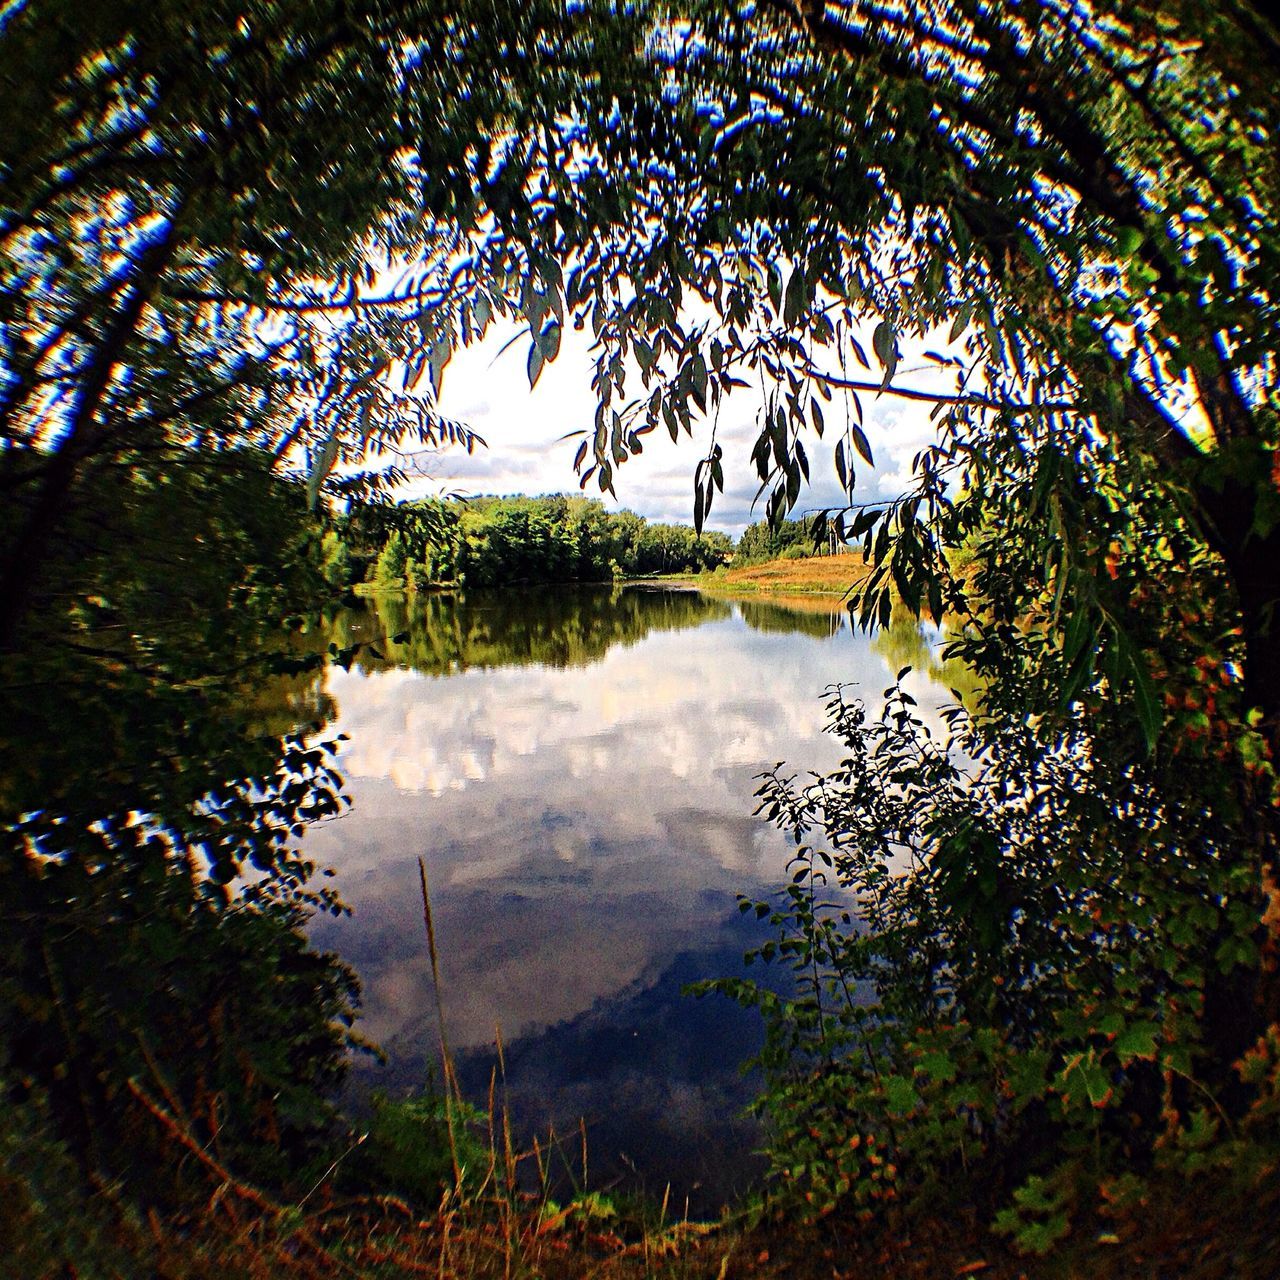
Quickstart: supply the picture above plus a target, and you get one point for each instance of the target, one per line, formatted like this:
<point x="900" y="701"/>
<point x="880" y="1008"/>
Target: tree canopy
<point x="276" y="223"/>
<point x="489" y="541"/>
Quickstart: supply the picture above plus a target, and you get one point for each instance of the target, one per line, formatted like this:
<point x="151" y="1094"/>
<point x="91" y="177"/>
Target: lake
<point x="576" y="767"/>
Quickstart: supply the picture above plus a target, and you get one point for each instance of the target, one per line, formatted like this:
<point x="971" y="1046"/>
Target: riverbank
<point x="809" y="584"/>
<point x="1213" y="1228"/>
<point x="828" y="577"/>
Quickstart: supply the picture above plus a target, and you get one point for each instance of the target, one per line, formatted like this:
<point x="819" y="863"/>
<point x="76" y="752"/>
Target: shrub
<point x="1007" y="982"/>
<point x="408" y="1149"/>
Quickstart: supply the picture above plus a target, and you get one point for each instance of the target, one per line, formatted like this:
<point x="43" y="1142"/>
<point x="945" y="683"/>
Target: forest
<point x="488" y="541"/>
<point x="1038" y="1027"/>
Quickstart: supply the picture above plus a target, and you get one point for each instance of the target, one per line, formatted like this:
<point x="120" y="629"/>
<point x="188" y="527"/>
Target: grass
<point x="829" y="576"/>
<point x="1201" y="1231"/>
<point x="482" y="1228"/>
<point x="814" y="584"/>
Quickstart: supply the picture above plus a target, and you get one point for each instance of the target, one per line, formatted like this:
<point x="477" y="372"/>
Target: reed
<point x="498" y="1215"/>
<point x="451" y="1092"/>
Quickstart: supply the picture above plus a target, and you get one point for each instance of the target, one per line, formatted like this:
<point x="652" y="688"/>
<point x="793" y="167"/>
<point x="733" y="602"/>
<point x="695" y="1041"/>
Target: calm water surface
<point x="576" y="768"/>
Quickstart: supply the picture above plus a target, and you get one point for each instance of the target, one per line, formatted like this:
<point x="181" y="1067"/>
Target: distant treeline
<point x="487" y="542"/>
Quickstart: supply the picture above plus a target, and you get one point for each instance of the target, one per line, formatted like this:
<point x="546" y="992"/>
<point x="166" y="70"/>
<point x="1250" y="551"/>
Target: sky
<point x="488" y="389"/>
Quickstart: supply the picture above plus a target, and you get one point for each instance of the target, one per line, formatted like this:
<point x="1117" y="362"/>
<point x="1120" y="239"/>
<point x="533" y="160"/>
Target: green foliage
<point x="393" y="564"/>
<point x="160" y="645"/>
<point x="154" y="172"/>
<point x="1039" y="1217"/>
<point x="488" y="542"/>
<point x="676" y="548"/>
<point x="157" y="994"/>
<point x="789" y="539"/>
<point x="48" y="1224"/>
<point x="1006" y="981"/>
<point x="133" y="973"/>
<point x="407" y="1150"/>
<point x="336" y="561"/>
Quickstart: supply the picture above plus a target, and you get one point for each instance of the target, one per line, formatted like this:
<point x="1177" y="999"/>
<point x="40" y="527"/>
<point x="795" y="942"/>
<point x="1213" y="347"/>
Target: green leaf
<point x="1128" y="241"/>
<point x="1138" y="1040"/>
<point x="325" y="457"/>
<point x="900" y="1094"/>
<point x="1146" y="702"/>
<point x="861" y="443"/>
<point x="815" y="412"/>
<point x="698" y="378"/>
<point x="937" y="1065"/>
<point x="549" y="341"/>
<point x="885" y="343"/>
<point x="775" y="286"/>
<point x="797" y="298"/>
<point x="1026" y="1074"/>
<point x="1083" y="1080"/>
<point x="960" y="323"/>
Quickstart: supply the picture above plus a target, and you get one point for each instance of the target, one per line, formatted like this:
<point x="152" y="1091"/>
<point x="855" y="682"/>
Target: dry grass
<point x="497" y="1221"/>
<point x="819" y="582"/>
<point x="829" y="575"/>
<point x="1196" y="1231"/>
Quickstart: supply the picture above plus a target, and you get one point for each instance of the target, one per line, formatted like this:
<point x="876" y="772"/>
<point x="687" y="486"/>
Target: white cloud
<point x="488" y="389"/>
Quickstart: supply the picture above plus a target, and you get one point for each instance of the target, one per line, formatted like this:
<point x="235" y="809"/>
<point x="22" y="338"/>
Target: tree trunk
<point x="87" y="435"/>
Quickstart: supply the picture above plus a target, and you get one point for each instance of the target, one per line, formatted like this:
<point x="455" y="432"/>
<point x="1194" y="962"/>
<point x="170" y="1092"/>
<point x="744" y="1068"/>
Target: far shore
<point x="830" y="578"/>
<point x="809" y="584"/>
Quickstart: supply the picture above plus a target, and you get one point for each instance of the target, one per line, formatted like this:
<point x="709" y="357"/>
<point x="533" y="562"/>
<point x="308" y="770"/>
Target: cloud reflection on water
<point x="580" y="825"/>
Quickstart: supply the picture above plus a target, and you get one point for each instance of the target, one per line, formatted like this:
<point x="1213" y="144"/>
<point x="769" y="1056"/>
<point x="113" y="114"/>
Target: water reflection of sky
<point x="581" y="826"/>
<point x="571" y="819"/>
